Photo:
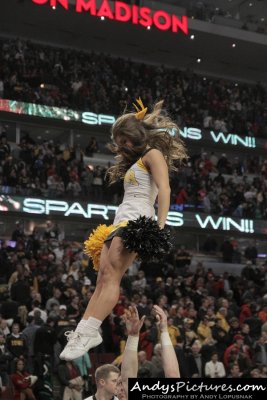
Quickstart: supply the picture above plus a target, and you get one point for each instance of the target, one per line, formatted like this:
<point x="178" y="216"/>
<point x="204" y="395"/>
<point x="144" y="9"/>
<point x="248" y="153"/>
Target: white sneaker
<point x="79" y="343"/>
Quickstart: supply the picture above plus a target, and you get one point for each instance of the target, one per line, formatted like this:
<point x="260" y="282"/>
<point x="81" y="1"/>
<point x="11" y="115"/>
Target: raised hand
<point x="161" y="318"/>
<point x="132" y="321"/>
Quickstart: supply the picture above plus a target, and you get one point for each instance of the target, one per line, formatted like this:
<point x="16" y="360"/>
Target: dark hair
<point x="30" y="318"/>
<point x="17" y="360"/>
<point x="144" y="372"/>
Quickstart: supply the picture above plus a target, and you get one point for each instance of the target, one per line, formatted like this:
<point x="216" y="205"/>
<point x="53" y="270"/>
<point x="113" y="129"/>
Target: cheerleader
<point x="146" y="147"/>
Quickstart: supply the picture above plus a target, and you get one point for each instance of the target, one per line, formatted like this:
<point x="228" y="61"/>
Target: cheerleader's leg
<point x="112" y="269"/>
<point x="114" y="263"/>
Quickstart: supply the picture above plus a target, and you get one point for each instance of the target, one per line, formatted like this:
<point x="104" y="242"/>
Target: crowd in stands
<point x="208" y="11"/>
<point x="99" y="83"/>
<point x="217" y="323"/>
<point x="224" y="185"/>
<point x="210" y="182"/>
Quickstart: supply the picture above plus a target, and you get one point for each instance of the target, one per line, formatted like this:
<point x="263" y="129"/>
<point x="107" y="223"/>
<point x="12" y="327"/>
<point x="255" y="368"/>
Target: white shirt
<point x="213" y="370"/>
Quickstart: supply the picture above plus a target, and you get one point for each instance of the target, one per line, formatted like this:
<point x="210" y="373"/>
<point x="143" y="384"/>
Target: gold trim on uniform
<point x="141" y="165"/>
<point x="130" y="178"/>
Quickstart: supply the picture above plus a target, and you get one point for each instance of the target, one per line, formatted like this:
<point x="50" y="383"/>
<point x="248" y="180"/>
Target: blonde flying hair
<point x="154" y="130"/>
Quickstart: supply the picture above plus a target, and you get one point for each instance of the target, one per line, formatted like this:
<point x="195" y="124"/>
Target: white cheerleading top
<point x="140" y="192"/>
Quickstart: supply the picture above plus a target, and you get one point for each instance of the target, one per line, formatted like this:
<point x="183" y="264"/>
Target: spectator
<point x="254" y="322"/>
<point x="18" y="233"/>
<point x="236" y="348"/>
<point x="62" y="320"/>
<point x="234" y="328"/>
<point x="36" y="307"/>
<point x="195" y="361"/>
<point x="23" y="382"/>
<point x="71" y="381"/>
<point x="92" y="147"/>
<point x="181" y="358"/>
<point x="222" y="315"/>
<point x="140" y="282"/>
<point x="260" y="348"/>
<point x="255" y="373"/>
<point x="214" y="368"/>
<point x="173" y="330"/>
<point x="45" y="339"/>
<point x="29" y="335"/>
<point x="15" y="343"/>
<point x="221" y="337"/>
<point x="189" y="333"/>
<point x="204" y="329"/>
<point x="142" y="307"/>
<point x="54" y="299"/>
<point x="227" y="251"/>
<point x="148" y="337"/>
<point x="146" y="368"/>
<point x="97" y="184"/>
<point x="234" y="371"/>
<point x="74" y="188"/>
<point x="84" y="365"/>
<point x="74" y="310"/>
<point x="182" y="257"/>
<point x="245" y="332"/>
<point x="157" y="362"/>
<point x="5" y="359"/>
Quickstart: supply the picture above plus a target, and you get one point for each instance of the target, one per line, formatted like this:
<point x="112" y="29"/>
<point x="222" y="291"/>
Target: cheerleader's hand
<point x="161" y="225"/>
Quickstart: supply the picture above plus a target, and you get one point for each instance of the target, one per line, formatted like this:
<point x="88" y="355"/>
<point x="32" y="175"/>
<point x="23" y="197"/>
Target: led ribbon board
<point x="121" y="12"/>
<point x="65" y="114"/>
<point x="90" y="118"/>
<point x="106" y="212"/>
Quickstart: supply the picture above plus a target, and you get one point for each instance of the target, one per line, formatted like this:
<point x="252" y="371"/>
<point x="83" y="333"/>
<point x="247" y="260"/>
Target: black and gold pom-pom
<point x="144" y="237"/>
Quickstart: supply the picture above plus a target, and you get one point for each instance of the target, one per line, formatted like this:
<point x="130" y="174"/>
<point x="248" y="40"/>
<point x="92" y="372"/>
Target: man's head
<point x="157" y="350"/>
<point x="62" y="310"/>
<point x="141" y="357"/>
<point x="255" y="373"/>
<point x="106" y="378"/>
<point x="196" y="347"/>
<point x="234" y="322"/>
<point x="235" y="370"/>
<point x="214" y="357"/>
<point x="120" y="392"/>
<point x="239" y="339"/>
<point x="15" y="329"/>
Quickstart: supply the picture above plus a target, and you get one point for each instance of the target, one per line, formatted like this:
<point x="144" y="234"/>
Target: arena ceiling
<point x="246" y="61"/>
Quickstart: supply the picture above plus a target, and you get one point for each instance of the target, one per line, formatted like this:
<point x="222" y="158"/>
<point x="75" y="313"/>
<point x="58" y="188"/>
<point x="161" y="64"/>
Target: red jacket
<point x="19" y="383"/>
